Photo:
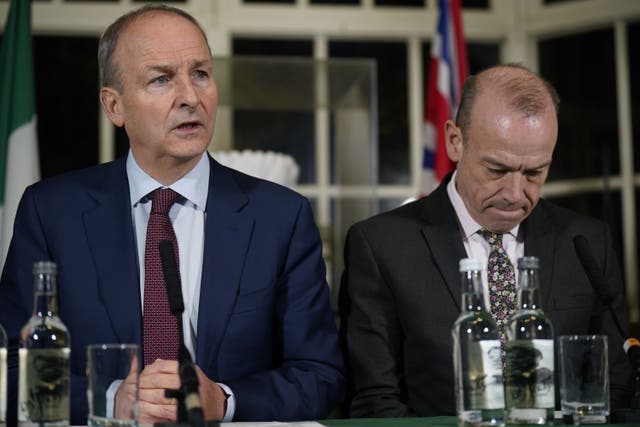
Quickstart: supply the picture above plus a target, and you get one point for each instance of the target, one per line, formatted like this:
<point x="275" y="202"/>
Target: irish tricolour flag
<point x="19" y="165"/>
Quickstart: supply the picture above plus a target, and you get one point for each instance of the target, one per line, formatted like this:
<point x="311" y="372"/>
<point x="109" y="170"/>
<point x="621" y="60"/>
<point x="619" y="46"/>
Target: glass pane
<point x="414" y="3"/>
<point x="633" y="47"/>
<point x="475" y="4"/>
<point x="272" y="47"/>
<point x="560" y="1"/>
<point x="290" y="132"/>
<point x="582" y="68"/>
<point x="66" y="102"/>
<point x="336" y="2"/>
<point x="270" y="1"/>
<point x="393" y="128"/>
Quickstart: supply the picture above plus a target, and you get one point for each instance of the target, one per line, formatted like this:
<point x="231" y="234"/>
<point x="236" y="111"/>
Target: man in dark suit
<point x="400" y="292"/>
<point x="257" y="319"/>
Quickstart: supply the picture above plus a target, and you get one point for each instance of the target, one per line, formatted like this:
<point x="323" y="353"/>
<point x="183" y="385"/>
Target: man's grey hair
<point x="109" y="72"/>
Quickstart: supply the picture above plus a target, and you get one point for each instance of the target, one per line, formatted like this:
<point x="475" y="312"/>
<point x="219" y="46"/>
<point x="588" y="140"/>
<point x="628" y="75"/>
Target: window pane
<point x="269" y="1"/>
<point x="66" y="102"/>
<point x="289" y="132"/>
<point x="582" y="68"/>
<point x="414" y="3"/>
<point x="605" y="205"/>
<point x="336" y="2"/>
<point x="633" y="47"/>
<point x="475" y="4"/>
<point x="272" y="47"/>
<point x="560" y="1"/>
<point x="393" y="133"/>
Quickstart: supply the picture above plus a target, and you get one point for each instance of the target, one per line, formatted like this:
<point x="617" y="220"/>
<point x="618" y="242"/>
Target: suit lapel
<point x="539" y="241"/>
<point x="226" y="240"/>
<point x="442" y="235"/>
<point x="111" y="242"/>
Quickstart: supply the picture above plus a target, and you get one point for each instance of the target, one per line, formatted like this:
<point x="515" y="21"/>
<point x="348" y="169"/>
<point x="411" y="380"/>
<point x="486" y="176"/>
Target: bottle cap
<point x="45" y="267"/>
<point x="469" y="264"/>
<point x="528" y="262"/>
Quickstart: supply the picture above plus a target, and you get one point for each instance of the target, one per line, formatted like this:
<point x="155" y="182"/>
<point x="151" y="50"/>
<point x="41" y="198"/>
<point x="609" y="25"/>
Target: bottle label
<point x="529" y="374"/>
<point x="484" y="379"/>
<point x="43" y="385"/>
<point x="3" y="385"/>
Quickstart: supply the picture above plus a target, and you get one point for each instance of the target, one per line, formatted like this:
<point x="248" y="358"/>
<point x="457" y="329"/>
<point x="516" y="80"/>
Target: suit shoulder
<point x="566" y="217"/>
<point x="567" y="223"/>
<point x="80" y="179"/>
<point x="262" y="190"/>
<point x="404" y="216"/>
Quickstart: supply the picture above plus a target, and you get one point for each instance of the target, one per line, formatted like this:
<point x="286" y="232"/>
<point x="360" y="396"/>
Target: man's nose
<point x="513" y="186"/>
<point x="186" y="94"/>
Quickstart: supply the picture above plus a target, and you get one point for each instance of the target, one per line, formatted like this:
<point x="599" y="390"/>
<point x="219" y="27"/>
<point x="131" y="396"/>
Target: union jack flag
<point x="447" y="72"/>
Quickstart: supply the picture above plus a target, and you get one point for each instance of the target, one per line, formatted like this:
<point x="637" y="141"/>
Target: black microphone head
<point x="171" y="277"/>
<point x="632" y="349"/>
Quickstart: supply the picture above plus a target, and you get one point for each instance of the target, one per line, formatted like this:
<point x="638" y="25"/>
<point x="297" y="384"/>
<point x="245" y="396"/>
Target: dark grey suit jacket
<point x="400" y="294"/>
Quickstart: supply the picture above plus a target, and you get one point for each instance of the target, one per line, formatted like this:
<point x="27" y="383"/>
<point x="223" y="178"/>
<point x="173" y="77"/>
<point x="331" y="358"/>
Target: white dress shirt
<point x="475" y="245"/>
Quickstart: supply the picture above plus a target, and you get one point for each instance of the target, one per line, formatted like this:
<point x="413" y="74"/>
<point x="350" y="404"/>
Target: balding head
<point x="523" y="90"/>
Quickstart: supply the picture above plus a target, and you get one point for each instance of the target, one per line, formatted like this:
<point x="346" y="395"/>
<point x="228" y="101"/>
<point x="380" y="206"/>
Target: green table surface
<point x="392" y="422"/>
<point x="414" y="422"/>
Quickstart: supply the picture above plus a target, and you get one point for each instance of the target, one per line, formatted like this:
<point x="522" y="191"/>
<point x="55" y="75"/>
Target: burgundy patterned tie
<point x="160" y="327"/>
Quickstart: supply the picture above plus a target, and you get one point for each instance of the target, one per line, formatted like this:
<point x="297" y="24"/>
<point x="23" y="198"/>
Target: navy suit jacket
<point x="401" y="293"/>
<point x="265" y="326"/>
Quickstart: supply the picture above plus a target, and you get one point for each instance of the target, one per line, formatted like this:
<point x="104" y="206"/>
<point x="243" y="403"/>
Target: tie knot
<point x="163" y="199"/>
<point x="491" y="237"/>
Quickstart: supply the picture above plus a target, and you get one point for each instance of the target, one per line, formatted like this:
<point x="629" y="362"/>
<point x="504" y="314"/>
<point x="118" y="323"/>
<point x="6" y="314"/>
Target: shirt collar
<point x="467" y="223"/>
<point x="193" y="186"/>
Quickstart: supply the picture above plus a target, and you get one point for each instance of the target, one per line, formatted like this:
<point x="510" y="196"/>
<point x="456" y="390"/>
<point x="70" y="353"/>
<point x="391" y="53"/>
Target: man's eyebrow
<point x="201" y="63"/>
<point x="501" y="165"/>
<point x="171" y="68"/>
<point x="160" y="69"/>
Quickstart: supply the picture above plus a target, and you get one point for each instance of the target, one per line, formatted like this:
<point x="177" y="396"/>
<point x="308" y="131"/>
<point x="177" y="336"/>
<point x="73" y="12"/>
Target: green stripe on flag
<point x="17" y="99"/>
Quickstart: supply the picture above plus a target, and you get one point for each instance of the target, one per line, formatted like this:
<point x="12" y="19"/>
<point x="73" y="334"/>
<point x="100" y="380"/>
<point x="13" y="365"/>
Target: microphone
<point x="189" y="396"/>
<point x="606" y="295"/>
<point x="171" y="278"/>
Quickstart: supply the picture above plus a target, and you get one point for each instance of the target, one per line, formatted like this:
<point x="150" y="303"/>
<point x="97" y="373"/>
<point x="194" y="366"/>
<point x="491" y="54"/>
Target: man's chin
<point x="505" y="221"/>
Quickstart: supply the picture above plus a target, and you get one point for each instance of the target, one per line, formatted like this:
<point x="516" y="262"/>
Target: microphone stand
<point x="631" y="345"/>
<point x="190" y="412"/>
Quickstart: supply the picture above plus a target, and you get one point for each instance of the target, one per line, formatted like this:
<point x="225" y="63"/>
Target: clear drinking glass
<point x="584" y="378"/>
<point x="112" y="389"/>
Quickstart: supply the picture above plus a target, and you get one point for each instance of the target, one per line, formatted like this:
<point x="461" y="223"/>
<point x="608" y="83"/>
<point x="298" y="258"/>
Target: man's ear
<point x="112" y="105"/>
<point x="453" y="138"/>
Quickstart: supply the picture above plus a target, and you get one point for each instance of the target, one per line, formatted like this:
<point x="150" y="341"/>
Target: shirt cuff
<point x="231" y="403"/>
<point x="111" y="398"/>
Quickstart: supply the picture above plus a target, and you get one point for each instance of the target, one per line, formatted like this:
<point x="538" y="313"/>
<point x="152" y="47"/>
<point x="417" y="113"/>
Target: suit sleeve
<point x="371" y="333"/>
<point x="309" y="381"/>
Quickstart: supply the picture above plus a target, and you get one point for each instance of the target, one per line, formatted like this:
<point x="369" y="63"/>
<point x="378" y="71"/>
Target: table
<point x="413" y="422"/>
<point x="391" y="422"/>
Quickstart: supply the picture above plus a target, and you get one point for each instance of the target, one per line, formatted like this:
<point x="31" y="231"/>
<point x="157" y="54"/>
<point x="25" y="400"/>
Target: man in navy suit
<point x="257" y="316"/>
